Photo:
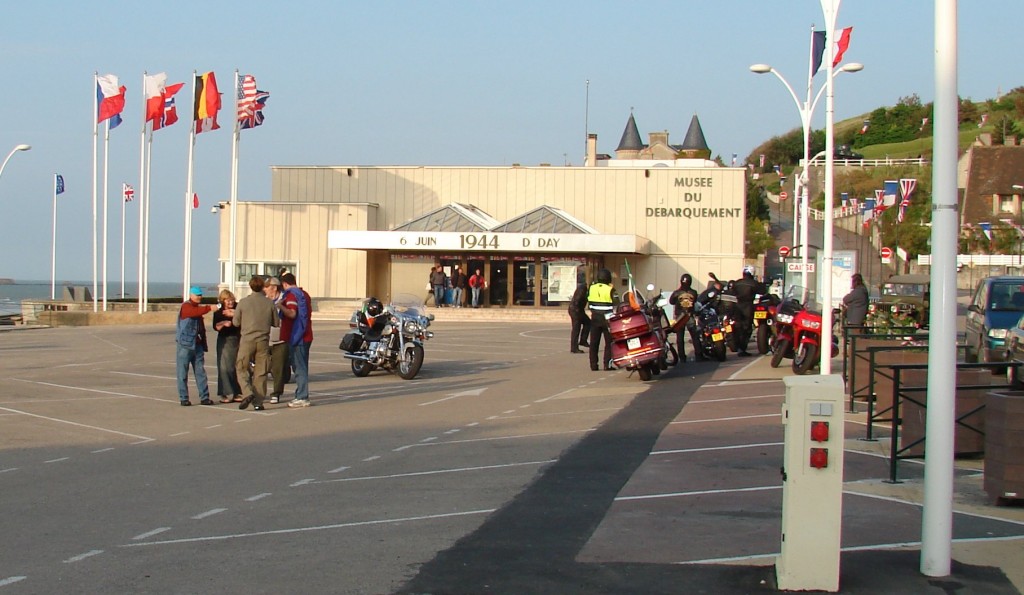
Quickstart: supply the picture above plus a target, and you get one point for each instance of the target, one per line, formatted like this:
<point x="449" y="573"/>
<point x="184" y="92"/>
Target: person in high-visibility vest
<point x="601" y="299"/>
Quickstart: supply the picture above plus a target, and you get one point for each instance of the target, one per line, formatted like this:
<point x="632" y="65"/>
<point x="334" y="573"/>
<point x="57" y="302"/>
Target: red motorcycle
<point x="798" y="336"/>
<point x="639" y="330"/>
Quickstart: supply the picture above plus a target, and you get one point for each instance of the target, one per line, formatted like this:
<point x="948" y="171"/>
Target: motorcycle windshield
<point x="408" y="305"/>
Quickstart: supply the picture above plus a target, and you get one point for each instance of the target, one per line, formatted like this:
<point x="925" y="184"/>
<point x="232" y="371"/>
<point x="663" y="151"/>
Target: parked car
<point x="996" y="306"/>
<point x="846" y="152"/>
<point x="903" y="296"/>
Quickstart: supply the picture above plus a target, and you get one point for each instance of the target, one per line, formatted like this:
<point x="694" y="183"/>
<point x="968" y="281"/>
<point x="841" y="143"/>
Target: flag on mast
<point x="206" y="103"/>
<point x="58" y="184"/>
<point x="160" y="108"/>
<point x="109" y="99"/>
<point x="127" y="192"/>
<point x="251" y="102"/>
<point x="842" y="45"/>
<point x="907" y="186"/>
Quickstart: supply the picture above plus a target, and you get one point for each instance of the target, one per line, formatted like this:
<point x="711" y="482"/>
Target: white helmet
<point x="748" y="269"/>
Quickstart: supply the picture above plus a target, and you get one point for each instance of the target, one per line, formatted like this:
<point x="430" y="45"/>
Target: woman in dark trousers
<point x="228" y="336"/>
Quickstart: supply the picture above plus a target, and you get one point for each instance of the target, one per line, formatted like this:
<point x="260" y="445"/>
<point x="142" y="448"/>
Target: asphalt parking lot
<point x="507" y="466"/>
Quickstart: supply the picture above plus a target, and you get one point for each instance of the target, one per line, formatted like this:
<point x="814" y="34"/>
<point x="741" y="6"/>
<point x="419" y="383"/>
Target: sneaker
<point x="299" y="403"/>
<point x="274" y="400"/>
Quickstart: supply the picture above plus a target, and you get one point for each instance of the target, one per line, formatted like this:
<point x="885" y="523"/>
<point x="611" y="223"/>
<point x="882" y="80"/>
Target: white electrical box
<point x="812" y="484"/>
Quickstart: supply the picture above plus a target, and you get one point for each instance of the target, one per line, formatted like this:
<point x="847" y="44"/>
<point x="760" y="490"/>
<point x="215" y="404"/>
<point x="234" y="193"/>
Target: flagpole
<point x="145" y="257"/>
<point x="53" y="248"/>
<point x="106" y="162"/>
<point x="95" y="221"/>
<point x="234" y="194"/>
<point x="188" y="194"/>
<point x="123" y="203"/>
<point x="142" y="192"/>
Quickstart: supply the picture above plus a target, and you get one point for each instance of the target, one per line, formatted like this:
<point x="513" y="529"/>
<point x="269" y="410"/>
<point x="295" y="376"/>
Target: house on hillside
<point x="693" y="152"/>
<point x="990" y="181"/>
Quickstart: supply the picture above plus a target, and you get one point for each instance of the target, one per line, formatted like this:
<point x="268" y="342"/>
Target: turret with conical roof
<point x="630" y="145"/>
<point x="694" y="146"/>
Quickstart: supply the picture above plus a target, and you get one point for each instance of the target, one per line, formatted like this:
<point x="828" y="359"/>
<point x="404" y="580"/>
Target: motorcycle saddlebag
<point x="631" y="323"/>
<point x="351" y="342"/>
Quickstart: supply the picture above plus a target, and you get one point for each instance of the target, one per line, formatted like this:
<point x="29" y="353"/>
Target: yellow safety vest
<point x="599" y="298"/>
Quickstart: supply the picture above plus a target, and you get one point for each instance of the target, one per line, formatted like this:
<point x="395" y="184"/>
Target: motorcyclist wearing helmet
<point x="745" y="289"/>
<point x="601" y="299"/>
<point x="684" y="299"/>
<point x="371" y="318"/>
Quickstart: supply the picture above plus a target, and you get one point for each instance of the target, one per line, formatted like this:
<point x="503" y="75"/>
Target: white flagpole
<point x="149" y="203"/>
<point x="123" y="205"/>
<point x="106" y="161"/>
<point x="95" y="138"/>
<point x="232" y="275"/>
<point x="53" y="249"/>
<point x="142" y="194"/>
<point x="188" y="195"/>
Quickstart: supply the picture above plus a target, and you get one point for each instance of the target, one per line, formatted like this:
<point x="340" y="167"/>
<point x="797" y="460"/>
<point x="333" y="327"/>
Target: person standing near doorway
<point x="437" y="283"/>
<point x="458" y="286"/>
<point x="601" y="299"/>
<point x="476" y="283"/>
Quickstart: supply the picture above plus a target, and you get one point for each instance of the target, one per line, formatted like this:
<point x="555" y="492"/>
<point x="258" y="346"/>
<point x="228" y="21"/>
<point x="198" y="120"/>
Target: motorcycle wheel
<point x="763" y="334"/>
<point x="720" y="351"/>
<point x="805" y="357"/>
<point x="411" y="361"/>
<point x="645" y="373"/>
<point x="781" y="347"/>
<point x="361" y="369"/>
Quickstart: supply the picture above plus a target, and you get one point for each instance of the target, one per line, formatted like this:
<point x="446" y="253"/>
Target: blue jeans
<point x="457" y="296"/>
<point x="476" y="296"/>
<point x="300" y="360"/>
<point x="438" y="295"/>
<point x="194" y="357"/>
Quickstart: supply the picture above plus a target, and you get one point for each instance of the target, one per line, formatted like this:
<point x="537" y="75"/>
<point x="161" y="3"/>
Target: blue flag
<point x="58" y="183"/>
<point x="817" y="51"/>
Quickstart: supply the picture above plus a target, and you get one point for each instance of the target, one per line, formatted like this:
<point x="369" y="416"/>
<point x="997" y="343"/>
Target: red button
<point x="819" y="458"/>
<point x="819" y="431"/>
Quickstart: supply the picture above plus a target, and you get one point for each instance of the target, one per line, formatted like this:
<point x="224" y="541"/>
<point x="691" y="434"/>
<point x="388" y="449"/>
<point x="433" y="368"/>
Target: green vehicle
<point x="904" y="298"/>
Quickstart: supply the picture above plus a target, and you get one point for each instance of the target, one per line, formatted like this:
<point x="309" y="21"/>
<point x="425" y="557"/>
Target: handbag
<point x="428" y="286"/>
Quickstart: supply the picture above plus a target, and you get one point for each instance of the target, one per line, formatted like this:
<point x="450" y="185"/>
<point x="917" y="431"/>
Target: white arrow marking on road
<point x="473" y="392"/>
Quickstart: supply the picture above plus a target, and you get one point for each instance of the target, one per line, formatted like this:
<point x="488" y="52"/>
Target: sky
<point x="419" y="83"/>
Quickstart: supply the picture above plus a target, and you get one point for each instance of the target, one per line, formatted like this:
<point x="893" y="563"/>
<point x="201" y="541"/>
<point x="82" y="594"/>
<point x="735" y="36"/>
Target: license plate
<point x="728" y="328"/>
<point x="717" y="336"/>
<point x="633" y="343"/>
<point x="760" y="315"/>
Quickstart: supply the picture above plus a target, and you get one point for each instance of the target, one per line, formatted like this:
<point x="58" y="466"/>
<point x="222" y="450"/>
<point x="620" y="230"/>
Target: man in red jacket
<point x="191" y="347"/>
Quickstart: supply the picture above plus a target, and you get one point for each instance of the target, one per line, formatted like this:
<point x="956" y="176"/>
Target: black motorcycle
<point x="711" y="331"/>
<point x="392" y="341"/>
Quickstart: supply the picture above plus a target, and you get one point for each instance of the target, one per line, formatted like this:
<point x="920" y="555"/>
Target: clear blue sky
<point x="434" y="83"/>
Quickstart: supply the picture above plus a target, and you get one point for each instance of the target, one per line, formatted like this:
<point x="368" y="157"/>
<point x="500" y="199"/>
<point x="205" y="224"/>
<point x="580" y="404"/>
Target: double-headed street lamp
<point x="11" y="154"/>
<point x="806" y="110"/>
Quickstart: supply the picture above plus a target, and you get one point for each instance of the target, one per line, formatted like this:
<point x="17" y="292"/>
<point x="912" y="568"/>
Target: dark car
<point x="903" y="297"/>
<point x="845" y="152"/>
<point x="996" y="306"/>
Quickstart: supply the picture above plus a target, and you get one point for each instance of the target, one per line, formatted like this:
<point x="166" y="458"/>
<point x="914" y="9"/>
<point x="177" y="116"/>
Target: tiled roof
<point x="630" y="137"/>
<point x="455" y="217"/>
<point x="993" y="171"/>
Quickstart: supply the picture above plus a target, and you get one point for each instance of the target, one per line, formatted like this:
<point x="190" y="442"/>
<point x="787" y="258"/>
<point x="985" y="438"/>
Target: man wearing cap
<point x="297" y="328"/>
<point x="191" y="347"/>
<point x="255" y="315"/>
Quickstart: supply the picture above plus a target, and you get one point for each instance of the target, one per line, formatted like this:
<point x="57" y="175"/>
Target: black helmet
<point x="604" y="276"/>
<point x="686" y="280"/>
<point x="374" y="307"/>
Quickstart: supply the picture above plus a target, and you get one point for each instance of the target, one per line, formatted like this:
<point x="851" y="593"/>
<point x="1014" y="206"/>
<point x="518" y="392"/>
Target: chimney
<point x="658" y="137"/>
<point x="591" y="151"/>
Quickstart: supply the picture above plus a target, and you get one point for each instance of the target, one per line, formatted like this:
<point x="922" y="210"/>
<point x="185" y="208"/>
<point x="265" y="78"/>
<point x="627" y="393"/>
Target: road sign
<point x="798" y="267"/>
<point x="885" y="252"/>
<point x="783" y="251"/>
<point x="783" y="195"/>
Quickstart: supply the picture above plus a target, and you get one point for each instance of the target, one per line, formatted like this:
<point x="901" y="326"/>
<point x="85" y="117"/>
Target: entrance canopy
<point x="458" y="227"/>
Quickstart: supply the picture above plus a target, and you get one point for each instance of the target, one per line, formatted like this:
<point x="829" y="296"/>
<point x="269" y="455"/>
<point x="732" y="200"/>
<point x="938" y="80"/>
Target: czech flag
<point x="109" y="99"/>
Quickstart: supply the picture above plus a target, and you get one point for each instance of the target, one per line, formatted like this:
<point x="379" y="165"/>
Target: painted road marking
<point x="81" y="557"/>
<point x="438" y="471"/>
<point x="151" y="533"/>
<point x="208" y="513"/>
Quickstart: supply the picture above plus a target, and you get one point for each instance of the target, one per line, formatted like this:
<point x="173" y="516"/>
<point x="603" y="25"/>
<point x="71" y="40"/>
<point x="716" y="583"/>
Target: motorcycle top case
<point x="629" y="323"/>
<point x="351" y="342"/>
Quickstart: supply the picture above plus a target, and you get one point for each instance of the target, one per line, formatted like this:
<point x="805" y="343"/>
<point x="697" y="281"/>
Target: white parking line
<point x="57" y="460"/>
<point x="211" y="512"/>
<point x="150" y="533"/>
<point x="699" y="493"/>
<point x="8" y="469"/>
<point x="81" y="557"/>
<point x="710" y="448"/>
<point x="72" y="423"/>
<point x="258" y="497"/>
<point x="492" y="439"/>
<point x="316" y="528"/>
<point x="696" y="402"/>
<point x="438" y="471"/>
<point x="11" y="580"/>
<point x="108" y="449"/>
<point x="716" y="419"/>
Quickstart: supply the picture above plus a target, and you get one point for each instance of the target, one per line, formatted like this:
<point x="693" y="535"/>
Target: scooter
<point x="639" y="331"/>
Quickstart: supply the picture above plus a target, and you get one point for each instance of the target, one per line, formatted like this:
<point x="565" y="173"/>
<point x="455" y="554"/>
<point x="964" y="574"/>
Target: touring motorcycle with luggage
<point x="388" y="337"/>
<point x="798" y="334"/>
<point x="639" y="331"/>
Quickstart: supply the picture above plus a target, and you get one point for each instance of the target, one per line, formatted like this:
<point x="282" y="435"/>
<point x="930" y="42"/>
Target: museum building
<point x="533" y="232"/>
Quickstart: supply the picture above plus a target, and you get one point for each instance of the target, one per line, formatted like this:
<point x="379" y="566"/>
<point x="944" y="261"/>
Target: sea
<point x="12" y="291"/>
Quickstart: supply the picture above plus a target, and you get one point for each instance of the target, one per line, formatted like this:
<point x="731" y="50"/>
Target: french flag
<point x="109" y="99"/>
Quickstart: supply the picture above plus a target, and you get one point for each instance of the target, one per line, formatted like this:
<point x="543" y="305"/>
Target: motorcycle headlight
<point x="785" y="318"/>
<point x="813" y="324"/>
<point x="411" y="328"/>
<point x="997" y="333"/>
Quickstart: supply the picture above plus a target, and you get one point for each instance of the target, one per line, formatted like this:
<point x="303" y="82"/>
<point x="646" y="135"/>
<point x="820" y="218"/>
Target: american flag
<point x="128" y="192"/>
<point x="250" y="102"/>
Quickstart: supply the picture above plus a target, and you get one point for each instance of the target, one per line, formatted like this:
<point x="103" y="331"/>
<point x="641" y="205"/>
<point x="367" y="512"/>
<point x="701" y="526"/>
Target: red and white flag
<point x="127" y="192"/>
<point x="907" y="186"/>
<point x="842" y="44"/>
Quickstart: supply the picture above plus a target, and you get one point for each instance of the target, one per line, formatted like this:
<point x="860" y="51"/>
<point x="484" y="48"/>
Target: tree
<point x="757" y="201"/>
<point x="759" y="240"/>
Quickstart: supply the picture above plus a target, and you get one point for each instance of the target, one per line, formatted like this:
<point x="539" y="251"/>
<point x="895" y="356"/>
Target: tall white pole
<point x="188" y="199"/>
<point x="53" y="247"/>
<point x="123" y="204"/>
<point x="145" y="256"/>
<point x="232" y="276"/>
<point x="801" y="196"/>
<point x="106" y="200"/>
<point x="95" y="218"/>
<point x="141" y="196"/>
<point x="937" y="515"/>
<point x="830" y="8"/>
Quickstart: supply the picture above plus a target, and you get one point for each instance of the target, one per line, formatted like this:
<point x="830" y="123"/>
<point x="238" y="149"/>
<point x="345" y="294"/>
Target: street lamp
<point x="11" y="154"/>
<point x="806" y="110"/>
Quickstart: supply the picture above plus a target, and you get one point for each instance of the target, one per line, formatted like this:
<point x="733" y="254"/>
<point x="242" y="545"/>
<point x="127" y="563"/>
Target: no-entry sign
<point x="783" y="195"/>
<point x="783" y="251"/>
<point x="885" y="252"/>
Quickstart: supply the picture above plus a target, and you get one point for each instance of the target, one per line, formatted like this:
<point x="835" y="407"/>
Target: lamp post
<point x="806" y="111"/>
<point x="11" y="154"/>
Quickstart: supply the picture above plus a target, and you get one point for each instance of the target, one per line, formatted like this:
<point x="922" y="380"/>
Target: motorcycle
<point x="710" y="330"/>
<point x="764" y="321"/>
<point x="391" y="341"/>
<point x="798" y="335"/>
<point x="639" y="331"/>
<point x="725" y="305"/>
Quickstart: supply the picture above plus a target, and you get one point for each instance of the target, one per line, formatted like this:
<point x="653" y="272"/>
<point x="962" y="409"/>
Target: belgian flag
<point x="207" y="103"/>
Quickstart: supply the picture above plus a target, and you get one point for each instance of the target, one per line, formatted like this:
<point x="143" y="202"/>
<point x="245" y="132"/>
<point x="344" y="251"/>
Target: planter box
<point x="1004" y="445"/>
<point x="965" y="441"/>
